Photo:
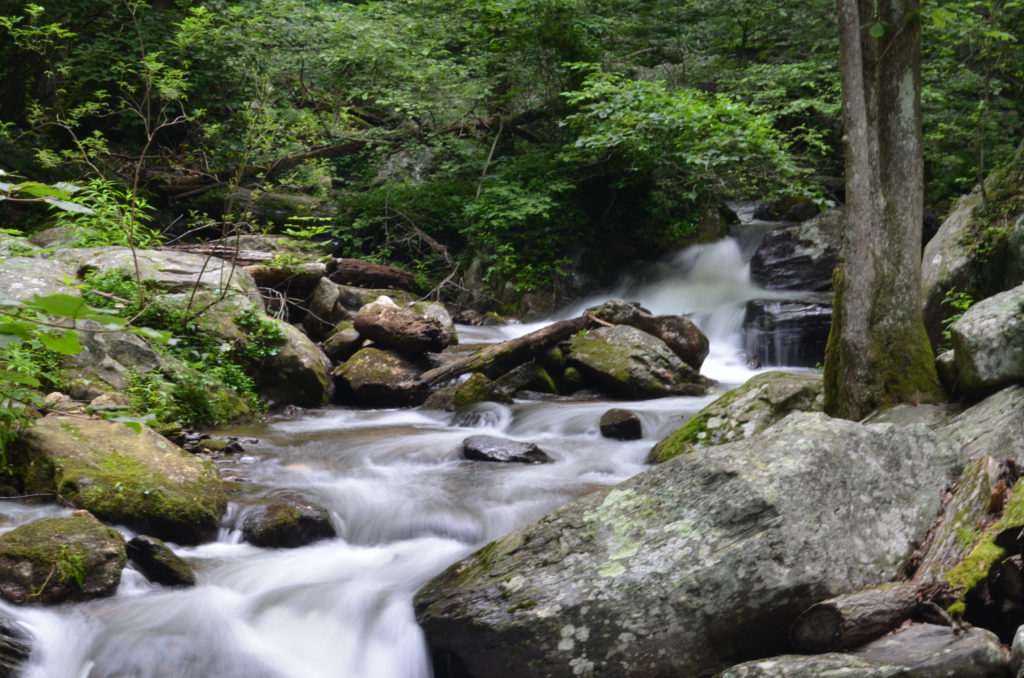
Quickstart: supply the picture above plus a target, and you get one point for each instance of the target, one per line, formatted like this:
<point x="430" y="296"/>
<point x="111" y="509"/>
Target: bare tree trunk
<point x="878" y="352"/>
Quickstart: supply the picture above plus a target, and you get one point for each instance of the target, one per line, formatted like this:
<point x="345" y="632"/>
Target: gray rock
<point x="621" y="424"/>
<point x="629" y="363"/>
<point x="831" y="665"/>
<point x="527" y="377"/>
<point x="1017" y="654"/>
<point x="988" y="343"/>
<point x="21" y="278"/>
<point x="799" y="257"/>
<point x="993" y="427"/>
<point x="60" y="559"/>
<point x="787" y="333"/>
<point x="330" y="303"/>
<point x="14" y="246"/>
<point x="107" y="358"/>
<point x="342" y="342"/>
<point x="677" y="331"/>
<point x="695" y="564"/>
<point x="299" y="373"/>
<point x="929" y="651"/>
<point x="743" y="412"/>
<point x="378" y="378"/>
<point x="401" y="329"/>
<point x="158" y="563"/>
<point x="287" y="520"/>
<point x="493" y="448"/>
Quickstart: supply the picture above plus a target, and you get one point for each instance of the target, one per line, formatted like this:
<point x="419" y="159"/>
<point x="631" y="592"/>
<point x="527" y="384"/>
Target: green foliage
<point x="71" y="565"/>
<point x="115" y="216"/>
<point x="958" y="302"/>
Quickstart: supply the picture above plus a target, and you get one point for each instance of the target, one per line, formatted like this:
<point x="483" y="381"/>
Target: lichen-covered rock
<point x="988" y="343"/>
<point x="287" y="520"/>
<point x="993" y="427"/>
<point x="60" y="559"/>
<point x="830" y="665"/>
<point x="799" y="257"/>
<point x="493" y="448"/>
<point x="141" y="480"/>
<point x="621" y="424"/>
<point x="743" y="412"/>
<point x="695" y="564"/>
<point x="298" y="373"/>
<point x="158" y="563"/>
<point x="677" y="331"/>
<point x="929" y="651"/>
<point x="22" y="278"/>
<point x="379" y="378"/>
<point x="402" y="329"/>
<point x="107" y="358"/>
<point x="16" y="246"/>
<point x="629" y="363"/>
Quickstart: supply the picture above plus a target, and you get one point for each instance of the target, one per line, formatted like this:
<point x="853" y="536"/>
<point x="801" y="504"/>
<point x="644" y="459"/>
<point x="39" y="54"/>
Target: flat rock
<point x="493" y="448"/>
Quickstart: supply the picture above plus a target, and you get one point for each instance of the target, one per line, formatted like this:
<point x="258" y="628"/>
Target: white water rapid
<point x="404" y="505"/>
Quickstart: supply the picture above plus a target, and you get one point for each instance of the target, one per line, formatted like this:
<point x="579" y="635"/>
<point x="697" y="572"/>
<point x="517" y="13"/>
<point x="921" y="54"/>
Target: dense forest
<point x="520" y="142"/>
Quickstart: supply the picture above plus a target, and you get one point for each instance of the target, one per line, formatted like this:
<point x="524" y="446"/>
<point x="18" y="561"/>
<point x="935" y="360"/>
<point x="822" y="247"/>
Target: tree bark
<point x="854" y="619"/>
<point x="878" y="352"/>
<point x="495" y="360"/>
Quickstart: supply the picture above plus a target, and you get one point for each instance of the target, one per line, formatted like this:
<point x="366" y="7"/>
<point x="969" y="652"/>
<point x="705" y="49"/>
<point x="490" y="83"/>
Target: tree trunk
<point x="878" y="352"/>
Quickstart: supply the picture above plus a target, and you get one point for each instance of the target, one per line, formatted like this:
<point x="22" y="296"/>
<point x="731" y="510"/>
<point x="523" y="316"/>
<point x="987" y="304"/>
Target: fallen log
<point x="369" y="274"/>
<point x="495" y="360"/>
<point x="853" y="619"/>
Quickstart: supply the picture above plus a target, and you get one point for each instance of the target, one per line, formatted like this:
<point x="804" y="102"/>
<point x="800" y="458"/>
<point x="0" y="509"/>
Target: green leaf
<point x="877" y="30"/>
<point x="18" y="378"/>
<point x="68" y="206"/>
<point x="66" y="344"/>
<point x="59" y="305"/>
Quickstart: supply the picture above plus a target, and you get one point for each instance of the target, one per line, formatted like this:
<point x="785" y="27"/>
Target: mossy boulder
<point x="378" y="378"/>
<point x="141" y="480"/>
<point x="696" y="564"/>
<point x="527" y="377"/>
<point x="743" y="412"/>
<point x="54" y="560"/>
<point x="298" y="373"/>
<point x="342" y="342"/>
<point x="677" y="331"/>
<point x="158" y="563"/>
<point x="287" y="520"/>
<point x="628" y="363"/>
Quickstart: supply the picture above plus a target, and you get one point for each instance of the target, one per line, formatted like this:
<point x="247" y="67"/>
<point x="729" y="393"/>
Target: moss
<point x="477" y="389"/>
<point x="973" y="569"/>
<point x="681" y="441"/>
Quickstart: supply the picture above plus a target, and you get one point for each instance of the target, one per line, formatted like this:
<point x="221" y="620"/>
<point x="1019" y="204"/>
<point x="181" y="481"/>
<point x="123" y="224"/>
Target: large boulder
<point x="60" y="559"/>
<point x="790" y="333"/>
<point x="696" y="564"/>
<point x="330" y="303"/>
<point x="977" y="250"/>
<point x="298" y="373"/>
<point x="744" y="412"/>
<point x="22" y="278"/>
<point x="141" y="480"/>
<point x="799" y="257"/>
<point x="988" y="343"/>
<point x="629" y="363"/>
<point x="677" y="331"/>
<point x="385" y="323"/>
<point x="993" y="427"/>
<point x="379" y="378"/>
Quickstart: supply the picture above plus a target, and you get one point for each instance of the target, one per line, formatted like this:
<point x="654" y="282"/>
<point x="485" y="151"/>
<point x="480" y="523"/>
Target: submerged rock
<point x="629" y="363"/>
<point x="288" y="520"/>
<point x="743" y="412"/>
<point x="695" y="564"/>
<point x="60" y="559"/>
<point x="141" y="480"/>
<point x="493" y="448"/>
<point x="158" y="563"/>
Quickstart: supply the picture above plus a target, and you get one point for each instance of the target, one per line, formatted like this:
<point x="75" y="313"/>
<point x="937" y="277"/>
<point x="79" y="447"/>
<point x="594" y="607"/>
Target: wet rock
<point x="15" y="648"/>
<point x="298" y="373"/>
<point x="379" y="378"/>
<point x="787" y="333"/>
<point x="988" y="343"/>
<point x="527" y="377"/>
<point x="60" y="559"/>
<point x="678" y="332"/>
<point x="629" y="363"/>
<point x="330" y="303"/>
<point x="141" y="480"/>
<point x="929" y="651"/>
<point x="401" y="329"/>
<point x="158" y="563"/>
<point x="621" y="424"/>
<point x="492" y="448"/>
<point x="743" y="412"/>
<point x="799" y="257"/>
<point x="695" y="564"/>
<point x="785" y="209"/>
<point x="288" y="520"/>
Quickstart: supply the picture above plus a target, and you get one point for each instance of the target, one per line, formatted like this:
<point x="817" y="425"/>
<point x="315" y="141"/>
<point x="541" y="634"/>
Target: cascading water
<point x="404" y="505"/>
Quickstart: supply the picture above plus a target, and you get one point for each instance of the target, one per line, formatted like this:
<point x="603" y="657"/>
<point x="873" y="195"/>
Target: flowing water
<point x="404" y="505"/>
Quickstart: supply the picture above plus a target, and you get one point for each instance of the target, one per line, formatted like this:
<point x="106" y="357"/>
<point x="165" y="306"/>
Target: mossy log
<point x="368" y="274"/>
<point x="853" y="619"/>
<point x="498" y="359"/>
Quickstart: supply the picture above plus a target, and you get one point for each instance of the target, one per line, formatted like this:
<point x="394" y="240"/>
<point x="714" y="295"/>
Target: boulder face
<point x="330" y="303"/>
<point x="787" y="333"/>
<point x="141" y="480"/>
<point x="299" y="373"/>
<point x="22" y="278"/>
<point x="696" y="564"/>
<point x="629" y="363"/>
<point x="288" y="520"/>
<point x="620" y="424"/>
<point x="993" y="427"/>
<point x="677" y="331"/>
<point x="988" y="343"/>
<point x="402" y="329"/>
<point x="60" y="559"/>
<point x="378" y="378"/>
<point x="799" y="257"/>
<point x="743" y="412"/>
